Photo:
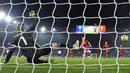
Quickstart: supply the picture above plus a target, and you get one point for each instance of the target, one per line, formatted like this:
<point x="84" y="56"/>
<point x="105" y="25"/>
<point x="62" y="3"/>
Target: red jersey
<point x="70" y="52"/>
<point x="85" y="43"/>
<point x="105" y="46"/>
<point x="122" y="51"/>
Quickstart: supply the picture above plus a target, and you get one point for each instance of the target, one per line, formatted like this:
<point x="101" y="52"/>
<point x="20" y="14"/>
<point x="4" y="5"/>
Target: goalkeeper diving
<point x="25" y="42"/>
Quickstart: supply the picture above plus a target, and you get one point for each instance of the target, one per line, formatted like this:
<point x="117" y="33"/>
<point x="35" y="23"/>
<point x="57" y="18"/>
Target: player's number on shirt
<point x="25" y="42"/>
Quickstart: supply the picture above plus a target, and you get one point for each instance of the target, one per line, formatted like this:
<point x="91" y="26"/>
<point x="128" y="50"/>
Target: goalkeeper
<point x="24" y="40"/>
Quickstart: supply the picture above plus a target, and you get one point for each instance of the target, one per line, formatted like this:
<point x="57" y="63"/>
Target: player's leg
<point x="29" y="60"/>
<point x="28" y="53"/>
<point x="105" y="53"/>
<point x="41" y="52"/>
<point x="79" y="53"/>
<point x="35" y="60"/>
<point x="83" y="52"/>
<point x="70" y="53"/>
<point x="88" y="54"/>
<point x="122" y="54"/>
<point x="36" y="56"/>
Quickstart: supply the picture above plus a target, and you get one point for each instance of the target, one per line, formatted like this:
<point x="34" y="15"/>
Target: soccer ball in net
<point x="124" y="38"/>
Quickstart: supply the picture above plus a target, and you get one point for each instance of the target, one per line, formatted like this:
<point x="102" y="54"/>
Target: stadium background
<point x="61" y="24"/>
<point x="93" y="38"/>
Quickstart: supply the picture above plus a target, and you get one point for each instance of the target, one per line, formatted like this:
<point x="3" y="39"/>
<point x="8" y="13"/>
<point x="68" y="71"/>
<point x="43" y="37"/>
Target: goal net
<point x="64" y="36"/>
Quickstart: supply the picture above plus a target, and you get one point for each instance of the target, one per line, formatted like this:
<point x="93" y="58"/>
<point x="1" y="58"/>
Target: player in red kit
<point x="122" y="51"/>
<point x="70" y="52"/>
<point x="78" y="53"/>
<point x="85" y="44"/>
<point x="106" y="46"/>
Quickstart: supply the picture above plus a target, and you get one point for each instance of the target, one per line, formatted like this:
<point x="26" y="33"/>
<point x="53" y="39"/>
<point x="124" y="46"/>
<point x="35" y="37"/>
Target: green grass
<point x="75" y="65"/>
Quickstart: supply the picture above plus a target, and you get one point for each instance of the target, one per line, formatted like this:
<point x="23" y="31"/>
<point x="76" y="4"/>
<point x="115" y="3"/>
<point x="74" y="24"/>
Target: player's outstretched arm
<point x="32" y="14"/>
<point x="12" y="49"/>
<point x="9" y="55"/>
<point x="32" y="28"/>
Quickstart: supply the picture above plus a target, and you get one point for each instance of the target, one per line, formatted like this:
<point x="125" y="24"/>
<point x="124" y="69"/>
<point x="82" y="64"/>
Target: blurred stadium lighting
<point x="15" y="22"/>
<point x="2" y="15"/>
<point x="8" y="18"/>
<point x="53" y="29"/>
<point x="43" y="29"/>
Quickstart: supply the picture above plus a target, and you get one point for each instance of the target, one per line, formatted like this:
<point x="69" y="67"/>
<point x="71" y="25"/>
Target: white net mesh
<point x="55" y="22"/>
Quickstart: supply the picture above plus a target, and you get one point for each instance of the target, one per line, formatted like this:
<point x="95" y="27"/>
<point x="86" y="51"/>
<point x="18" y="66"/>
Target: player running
<point x="25" y="42"/>
<point x="122" y="51"/>
<point x="85" y="44"/>
<point x="105" y="47"/>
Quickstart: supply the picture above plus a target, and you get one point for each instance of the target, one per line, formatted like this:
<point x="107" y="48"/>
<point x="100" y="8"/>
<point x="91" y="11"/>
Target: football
<point x="124" y="38"/>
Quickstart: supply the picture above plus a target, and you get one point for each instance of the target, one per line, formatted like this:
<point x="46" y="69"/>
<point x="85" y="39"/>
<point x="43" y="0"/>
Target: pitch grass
<point x="75" y="65"/>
